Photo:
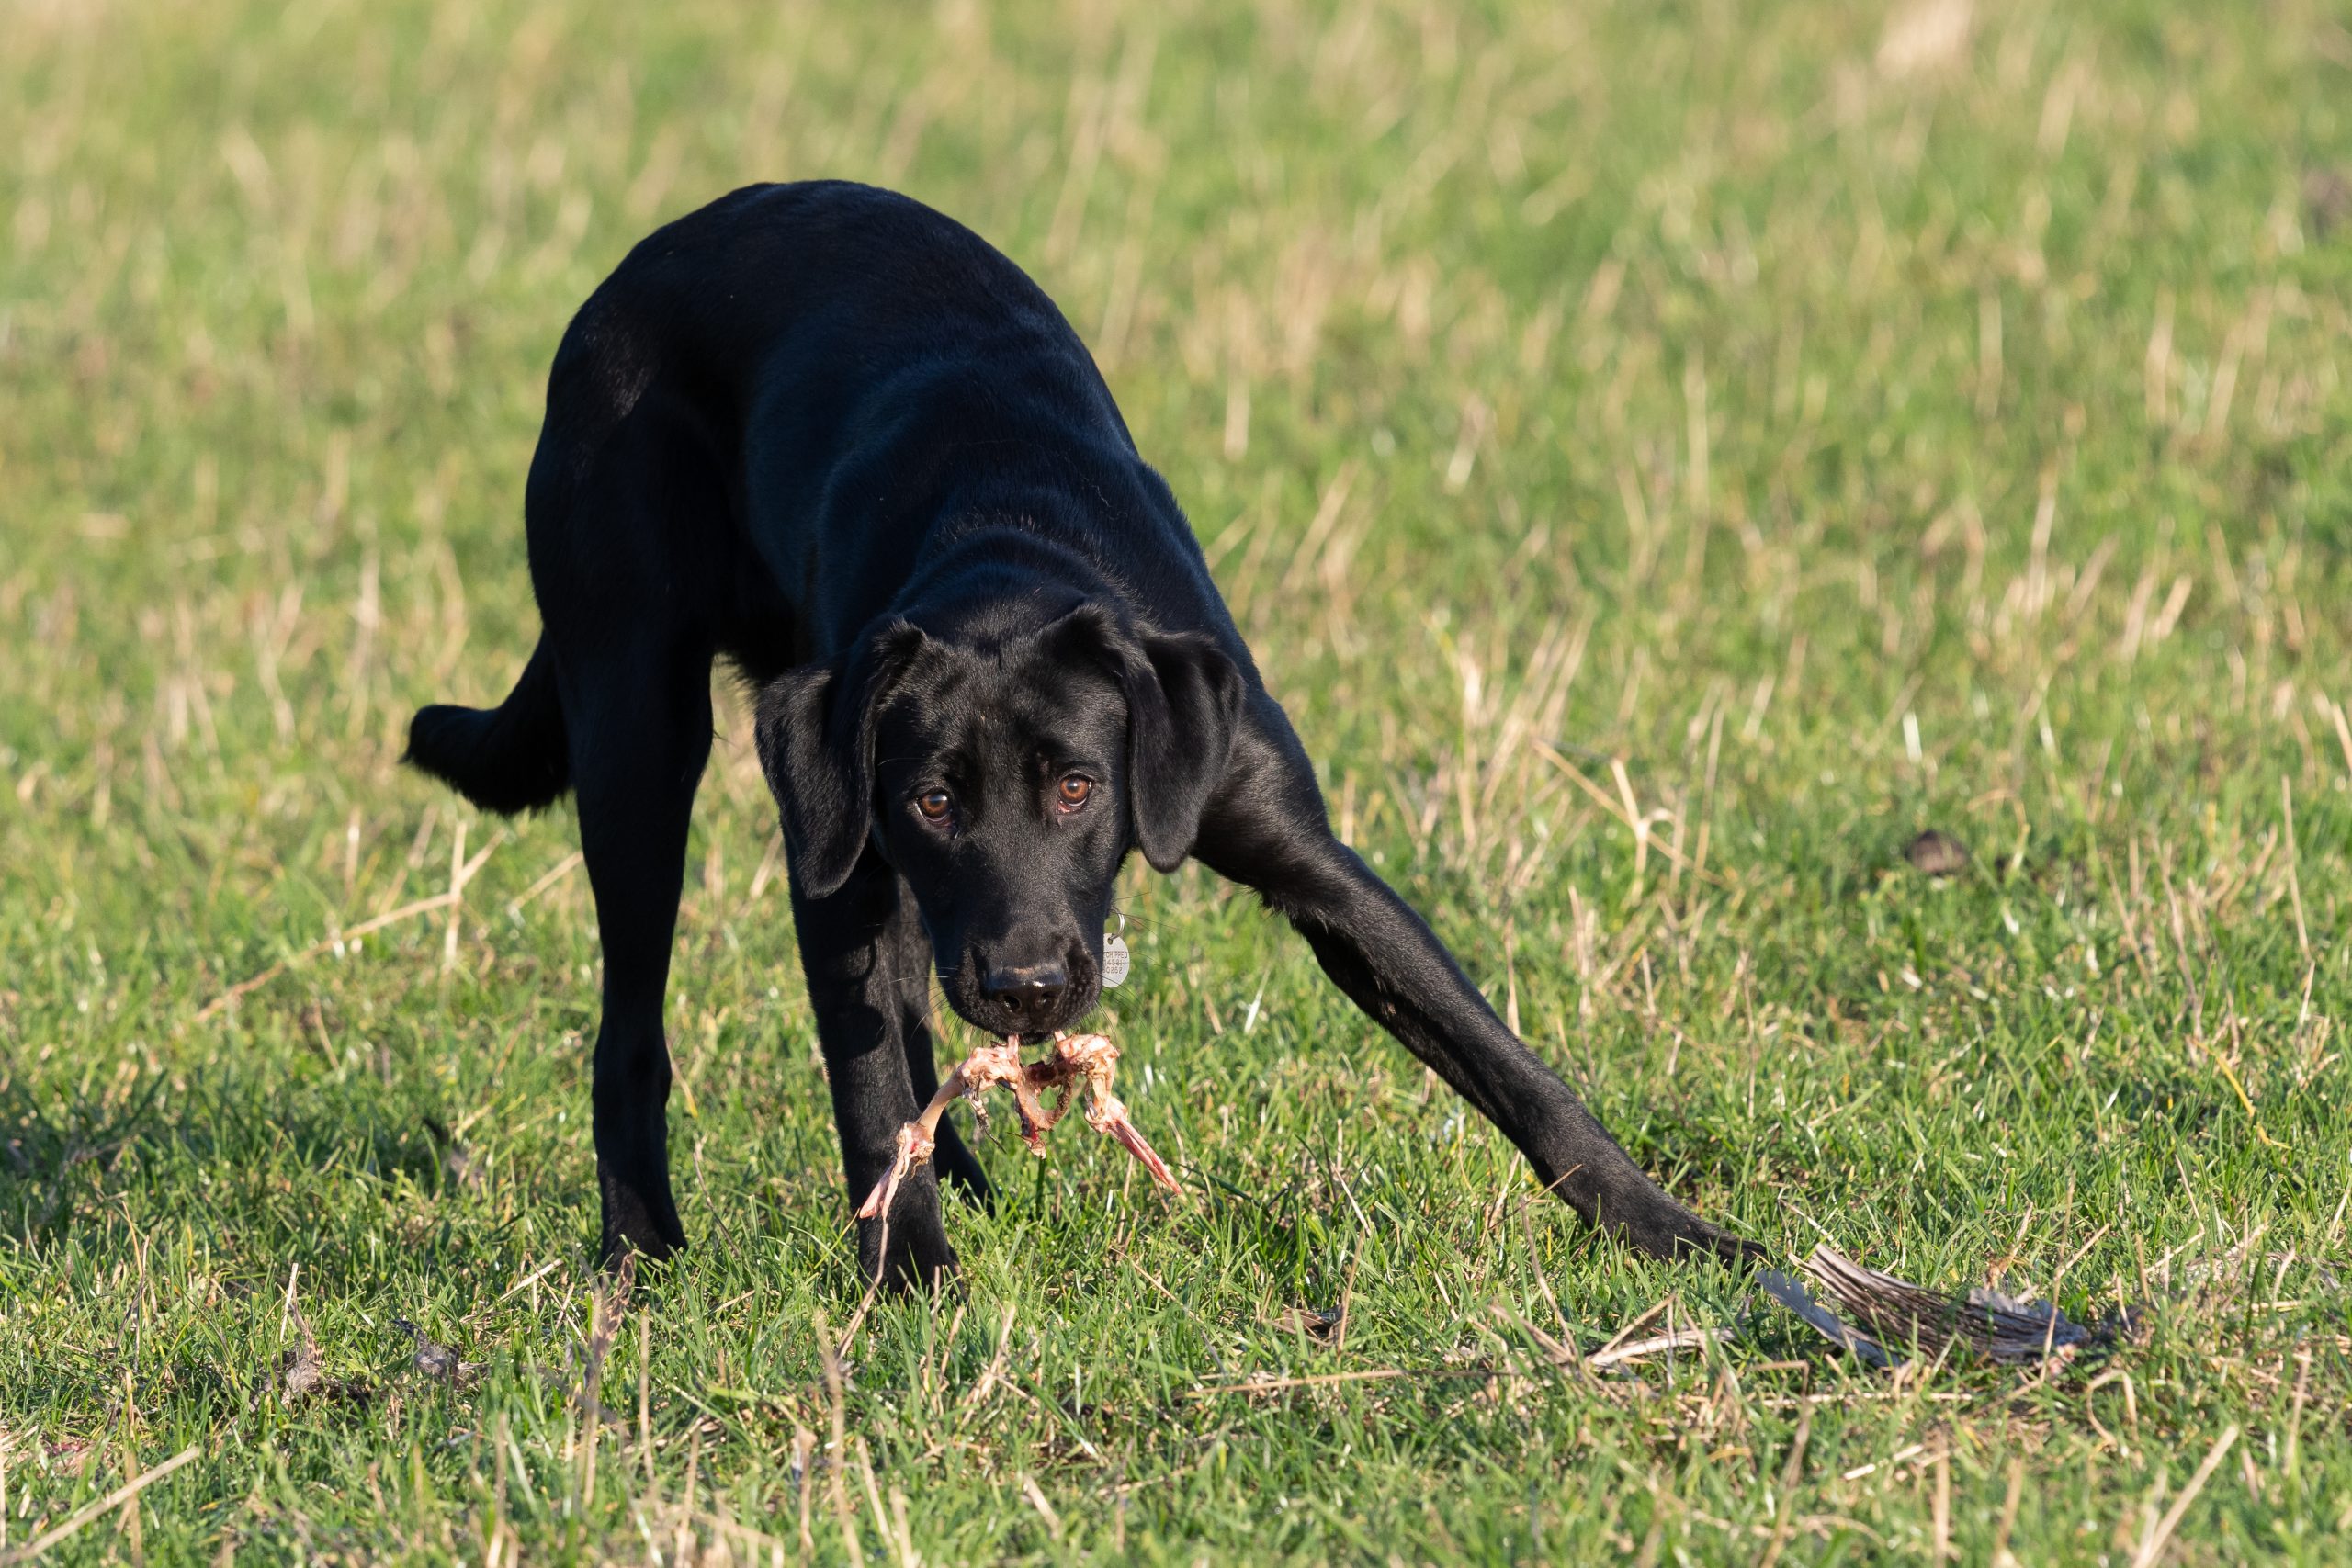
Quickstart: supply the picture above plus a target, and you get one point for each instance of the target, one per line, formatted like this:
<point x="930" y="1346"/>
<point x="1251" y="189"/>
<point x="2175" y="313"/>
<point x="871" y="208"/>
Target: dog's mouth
<point x="999" y="1022"/>
<point x="1027" y="1035"/>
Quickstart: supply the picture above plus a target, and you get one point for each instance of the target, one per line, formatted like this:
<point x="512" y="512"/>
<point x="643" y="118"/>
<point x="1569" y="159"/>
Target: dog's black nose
<point x="1029" y="992"/>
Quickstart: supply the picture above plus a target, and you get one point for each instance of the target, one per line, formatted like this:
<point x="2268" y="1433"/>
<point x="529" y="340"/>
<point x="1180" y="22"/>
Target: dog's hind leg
<point x="625" y="546"/>
<point x="640" y="724"/>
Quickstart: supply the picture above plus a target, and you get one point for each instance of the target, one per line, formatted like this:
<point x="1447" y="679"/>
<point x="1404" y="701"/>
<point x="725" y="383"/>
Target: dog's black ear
<point x="1183" y="701"/>
<point x="815" y="733"/>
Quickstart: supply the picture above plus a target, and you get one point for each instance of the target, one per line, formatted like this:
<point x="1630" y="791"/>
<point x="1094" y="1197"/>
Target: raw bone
<point x="1075" y="1058"/>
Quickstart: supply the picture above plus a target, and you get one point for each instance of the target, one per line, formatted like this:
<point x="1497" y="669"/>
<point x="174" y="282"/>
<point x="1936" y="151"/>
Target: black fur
<point x="830" y="435"/>
<point x="507" y="758"/>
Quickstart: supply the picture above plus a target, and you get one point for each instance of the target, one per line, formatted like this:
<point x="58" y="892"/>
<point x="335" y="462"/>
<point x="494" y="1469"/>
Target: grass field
<point x="1665" y="456"/>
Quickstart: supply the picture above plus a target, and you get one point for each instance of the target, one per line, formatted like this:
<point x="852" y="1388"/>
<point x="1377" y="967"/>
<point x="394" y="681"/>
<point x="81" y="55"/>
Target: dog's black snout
<point x="1030" y="992"/>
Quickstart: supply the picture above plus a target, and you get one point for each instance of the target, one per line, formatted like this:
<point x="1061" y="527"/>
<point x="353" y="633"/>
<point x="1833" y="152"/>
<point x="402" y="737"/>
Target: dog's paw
<point x="918" y="1260"/>
<point x="1732" y="1251"/>
<point x="634" y="1225"/>
<point x="1673" y="1233"/>
<point x="649" y="1248"/>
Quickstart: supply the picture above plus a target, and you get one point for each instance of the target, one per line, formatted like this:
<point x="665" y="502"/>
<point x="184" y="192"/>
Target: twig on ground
<point x="1369" y="1374"/>
<point x="106" y="1505"/>
<point x="2153" y="1545"/>
<point x="1788" y="1488"/>
<point x="1627" y="1333"/>
<point x="442" y="900"/>
<point x="1679" y="1339"/>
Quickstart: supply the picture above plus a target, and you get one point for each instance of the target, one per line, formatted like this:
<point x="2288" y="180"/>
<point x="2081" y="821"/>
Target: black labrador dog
<point x="830" y="435"/>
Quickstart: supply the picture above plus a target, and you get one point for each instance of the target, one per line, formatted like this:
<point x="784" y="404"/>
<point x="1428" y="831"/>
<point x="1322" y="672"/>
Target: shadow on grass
<point x="59" y="1162"/>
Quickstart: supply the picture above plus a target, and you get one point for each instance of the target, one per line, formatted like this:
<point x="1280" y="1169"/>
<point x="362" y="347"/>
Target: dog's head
<point x="1005" y="779"/>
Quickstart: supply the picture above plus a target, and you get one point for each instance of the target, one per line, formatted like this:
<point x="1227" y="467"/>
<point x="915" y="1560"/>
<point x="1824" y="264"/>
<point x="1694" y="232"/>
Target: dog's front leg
<point x="1268" y="831"/>
<point x="869" y="972"/>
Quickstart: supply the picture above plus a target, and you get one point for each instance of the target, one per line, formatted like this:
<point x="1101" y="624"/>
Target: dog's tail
<point x="507" y="758"/>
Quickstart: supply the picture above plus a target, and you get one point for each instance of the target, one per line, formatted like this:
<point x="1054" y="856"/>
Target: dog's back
<point x="838" y="385"/>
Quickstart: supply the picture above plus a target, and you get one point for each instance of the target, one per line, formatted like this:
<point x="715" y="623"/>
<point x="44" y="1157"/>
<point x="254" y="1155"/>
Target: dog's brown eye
<point x="933" y="803"/>
<point x="1074" y="789"/>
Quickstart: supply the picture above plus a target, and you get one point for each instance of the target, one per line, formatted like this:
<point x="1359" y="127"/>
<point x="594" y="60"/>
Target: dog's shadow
<point x="49" y="1159"/>
<point x="61" y="1158"/>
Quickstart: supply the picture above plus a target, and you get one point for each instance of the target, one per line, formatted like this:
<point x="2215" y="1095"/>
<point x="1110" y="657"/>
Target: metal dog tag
<point x="1115" y="959"/>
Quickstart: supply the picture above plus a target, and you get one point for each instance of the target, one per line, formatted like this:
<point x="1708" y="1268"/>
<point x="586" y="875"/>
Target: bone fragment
<point x="1075" y="1061"/>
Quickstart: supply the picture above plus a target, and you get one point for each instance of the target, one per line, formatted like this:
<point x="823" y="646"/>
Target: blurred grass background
<point x="1664" y="456"/>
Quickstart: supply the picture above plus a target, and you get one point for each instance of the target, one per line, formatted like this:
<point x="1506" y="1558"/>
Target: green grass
<point x="1842" y="424"/>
